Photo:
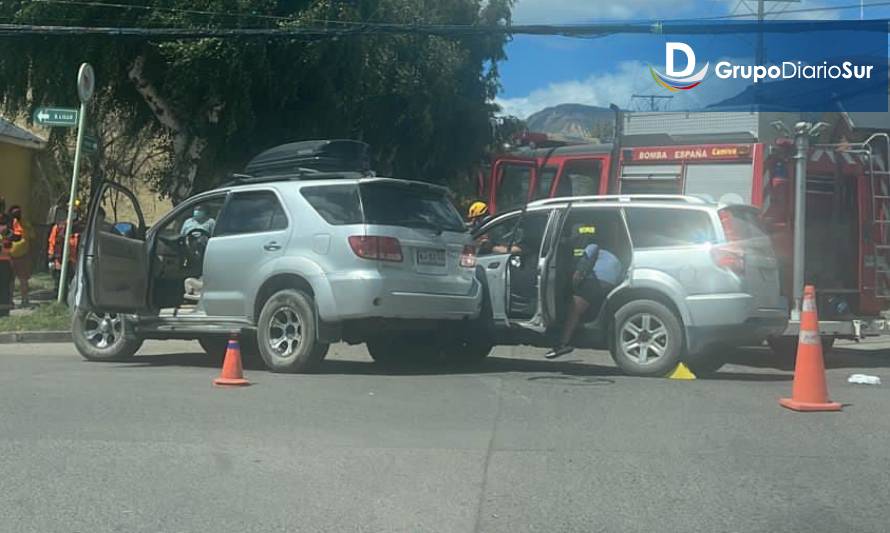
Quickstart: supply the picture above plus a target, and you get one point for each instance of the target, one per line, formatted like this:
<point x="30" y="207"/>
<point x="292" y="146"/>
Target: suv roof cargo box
<point x="342" y="155"/>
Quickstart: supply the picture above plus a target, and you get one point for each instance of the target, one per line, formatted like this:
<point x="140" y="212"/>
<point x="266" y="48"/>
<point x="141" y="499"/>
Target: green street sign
<point x="90" y="143"/>
<point x="56" y="116"/>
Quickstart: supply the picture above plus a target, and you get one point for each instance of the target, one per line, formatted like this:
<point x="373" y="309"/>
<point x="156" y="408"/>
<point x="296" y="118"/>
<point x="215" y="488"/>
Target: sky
<point x="543" y="71"/>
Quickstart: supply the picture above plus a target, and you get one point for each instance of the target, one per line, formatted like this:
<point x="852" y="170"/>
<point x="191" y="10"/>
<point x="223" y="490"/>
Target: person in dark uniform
<point x="597" y="272"/>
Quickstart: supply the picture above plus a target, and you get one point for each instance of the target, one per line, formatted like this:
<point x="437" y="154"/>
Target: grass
<point x="42" y="281"/>
<point x="46" y="317"/>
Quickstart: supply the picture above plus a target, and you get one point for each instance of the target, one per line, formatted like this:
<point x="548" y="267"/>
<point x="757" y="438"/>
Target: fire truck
<point x="740" y="158"/>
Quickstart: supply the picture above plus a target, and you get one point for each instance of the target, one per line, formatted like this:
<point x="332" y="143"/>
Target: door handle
<point x="494" y="265"/>
<point x="271" y="246"/>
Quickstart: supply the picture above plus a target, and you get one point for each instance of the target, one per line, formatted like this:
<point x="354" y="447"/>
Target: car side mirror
<point x="126" y="229"/>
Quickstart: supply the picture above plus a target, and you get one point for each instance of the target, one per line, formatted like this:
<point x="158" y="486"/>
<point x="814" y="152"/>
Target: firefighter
<point x="56" y="247"/>
<point x="20" y="251"/>
<point x="5" y="264"/>
<point x="477" y="215"/>
<point x="597" y="272"/>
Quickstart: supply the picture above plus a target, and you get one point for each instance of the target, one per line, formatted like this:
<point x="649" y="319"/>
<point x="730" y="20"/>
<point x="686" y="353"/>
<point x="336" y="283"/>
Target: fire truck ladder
<point x="874" y="155"/>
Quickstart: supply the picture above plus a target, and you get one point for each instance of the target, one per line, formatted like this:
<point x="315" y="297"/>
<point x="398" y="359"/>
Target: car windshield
<point x="414" y="206"/>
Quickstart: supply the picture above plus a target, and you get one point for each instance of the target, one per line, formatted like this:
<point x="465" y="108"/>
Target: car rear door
<point x="417" y="221"/>
<point x="742" y="228"/>
<point x="114" y="269"/>
<point x="251" y="232"/>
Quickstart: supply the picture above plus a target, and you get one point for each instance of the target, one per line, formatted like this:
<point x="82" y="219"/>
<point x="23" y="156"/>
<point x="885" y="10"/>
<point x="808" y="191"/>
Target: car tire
<point x="286" y="333"/>
<point x="216" y="345"/>
<point x="402" y="349"/>
<point x="709" y="362"/>
<point x="100" y="336"/>
<point x="663" y="333"/>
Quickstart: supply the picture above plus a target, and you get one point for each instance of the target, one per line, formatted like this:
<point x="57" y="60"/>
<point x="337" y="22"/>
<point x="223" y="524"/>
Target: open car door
<point x="113" y="272"/>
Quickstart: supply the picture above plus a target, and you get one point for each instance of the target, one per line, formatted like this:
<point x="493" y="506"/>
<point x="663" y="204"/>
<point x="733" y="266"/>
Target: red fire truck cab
<point x="848" y="205"/>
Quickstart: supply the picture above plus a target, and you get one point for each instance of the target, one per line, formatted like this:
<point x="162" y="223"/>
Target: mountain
<point x="574" y="120"/>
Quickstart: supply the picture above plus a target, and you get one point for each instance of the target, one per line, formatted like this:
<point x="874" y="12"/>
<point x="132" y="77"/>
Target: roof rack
<point x="624" y="198"/>
<point x="302" y="174"/>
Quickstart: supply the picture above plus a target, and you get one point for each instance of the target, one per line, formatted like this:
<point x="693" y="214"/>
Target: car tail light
<point x="729" y="258"/>
<point x="468" y="256"/>
<point x="372" y="247"/>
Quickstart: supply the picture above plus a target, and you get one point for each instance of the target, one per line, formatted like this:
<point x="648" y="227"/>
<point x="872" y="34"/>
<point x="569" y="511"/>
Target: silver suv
<point x="295" y="263"/>
<point x="698" y="277"/>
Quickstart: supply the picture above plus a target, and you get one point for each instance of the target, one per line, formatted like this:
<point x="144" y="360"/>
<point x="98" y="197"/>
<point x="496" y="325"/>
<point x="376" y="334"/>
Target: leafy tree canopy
<point x="421" y="102"/>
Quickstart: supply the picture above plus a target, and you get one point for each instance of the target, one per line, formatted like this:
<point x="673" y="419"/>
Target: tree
<point x="421" y="102"/>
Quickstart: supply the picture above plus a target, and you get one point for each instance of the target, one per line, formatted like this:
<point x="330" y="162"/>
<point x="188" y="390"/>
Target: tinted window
<point x="252" y="212"/>
<point x="338" y="204"/>
<point x="657" y="227"/>
<point x="413" y="206"/>
<point x="580" y="177"/>
<point x="545" y="180"/>
<point x="512" y="191"/>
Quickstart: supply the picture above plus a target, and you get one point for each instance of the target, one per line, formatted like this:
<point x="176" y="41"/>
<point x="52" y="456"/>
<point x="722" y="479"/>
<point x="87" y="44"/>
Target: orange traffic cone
<point x="809" y="392"/>
<point x="232" y="374"/>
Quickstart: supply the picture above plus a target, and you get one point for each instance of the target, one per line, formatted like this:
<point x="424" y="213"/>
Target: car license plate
<point x="431" y="257"/>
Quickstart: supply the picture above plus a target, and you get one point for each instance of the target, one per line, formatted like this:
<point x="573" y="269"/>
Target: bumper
<point x="730" y="319"/>
<point x="856" y="328"/>
<point x="366" y="295"/>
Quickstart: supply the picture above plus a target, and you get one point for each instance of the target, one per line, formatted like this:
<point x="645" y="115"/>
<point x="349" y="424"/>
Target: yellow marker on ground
<point x="681" y="372"/>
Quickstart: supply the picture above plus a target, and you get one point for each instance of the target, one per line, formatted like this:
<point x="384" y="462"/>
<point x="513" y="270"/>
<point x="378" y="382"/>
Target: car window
<point x="337" y="204"/>
<point x="525" y="232"/>
<point x="185" y="216"/>
<point x="580" y="177"/>
<point x="653" y="227"/>
<point x="512" y="191"/>
<point x="252" y="212"/>
<point x="413" y="206"/>
<point x="744" y="226"/>
<point x="545" y="181"/>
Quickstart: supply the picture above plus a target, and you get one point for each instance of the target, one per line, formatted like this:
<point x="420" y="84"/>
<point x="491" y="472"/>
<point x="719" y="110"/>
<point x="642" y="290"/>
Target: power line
<point x="184" y="11"/>
<point x="280" y="18"/>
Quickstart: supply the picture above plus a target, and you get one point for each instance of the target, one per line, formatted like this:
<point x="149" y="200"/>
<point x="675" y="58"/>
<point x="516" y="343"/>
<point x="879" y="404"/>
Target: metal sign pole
<point x="81" y="120"/>
<point x="802" y="143"/>
<point x="85" y="85"/>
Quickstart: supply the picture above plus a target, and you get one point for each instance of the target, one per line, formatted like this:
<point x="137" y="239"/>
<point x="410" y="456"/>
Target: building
<point x="17" y="151"/>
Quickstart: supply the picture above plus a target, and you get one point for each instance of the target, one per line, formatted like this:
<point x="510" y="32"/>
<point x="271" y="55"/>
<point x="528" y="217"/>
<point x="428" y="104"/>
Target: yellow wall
<point x="15" y="178"/>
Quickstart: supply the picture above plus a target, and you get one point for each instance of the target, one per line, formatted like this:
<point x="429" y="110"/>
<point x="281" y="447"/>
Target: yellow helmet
<point x="478" y="209"/>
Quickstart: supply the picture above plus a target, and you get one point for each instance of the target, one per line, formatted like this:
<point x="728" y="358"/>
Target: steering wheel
<point x="195" y="243"/>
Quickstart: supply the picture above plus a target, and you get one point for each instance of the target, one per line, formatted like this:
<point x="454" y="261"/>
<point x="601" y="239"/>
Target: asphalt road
<point x="517" y="444"/>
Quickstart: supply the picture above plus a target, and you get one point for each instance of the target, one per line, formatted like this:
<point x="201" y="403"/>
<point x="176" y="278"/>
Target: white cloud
<point x="575" y="11"/>
<point x="612" y="87"/>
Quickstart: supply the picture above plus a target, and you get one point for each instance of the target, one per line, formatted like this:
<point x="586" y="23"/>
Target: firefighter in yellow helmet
<point x="477" y="215"/>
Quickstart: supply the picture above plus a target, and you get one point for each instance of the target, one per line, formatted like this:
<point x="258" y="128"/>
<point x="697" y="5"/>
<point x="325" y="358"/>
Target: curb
<point x="35" y="337"/>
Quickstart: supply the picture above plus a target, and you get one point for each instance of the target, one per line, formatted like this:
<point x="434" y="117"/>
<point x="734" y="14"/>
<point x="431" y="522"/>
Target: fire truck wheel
<point x="647" y="338"/>
<point x="786" y="346"/>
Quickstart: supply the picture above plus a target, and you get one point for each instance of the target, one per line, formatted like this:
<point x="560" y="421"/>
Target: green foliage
<point x="46" y="317"/>
<point x="421" y="102"/>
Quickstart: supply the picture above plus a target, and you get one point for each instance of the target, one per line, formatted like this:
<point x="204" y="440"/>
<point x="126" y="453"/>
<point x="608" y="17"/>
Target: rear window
<point x="337" y="204"/>
<point x="744" y="226"/>
<point x="652" y="227"/>
<point x="413" y="206"/>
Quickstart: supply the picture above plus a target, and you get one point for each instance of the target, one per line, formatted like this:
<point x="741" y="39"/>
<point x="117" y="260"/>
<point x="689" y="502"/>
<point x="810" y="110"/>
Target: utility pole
<point x="759" y="55"/>
<point x="653" y="98"/>
<point x="803" y="132"/>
